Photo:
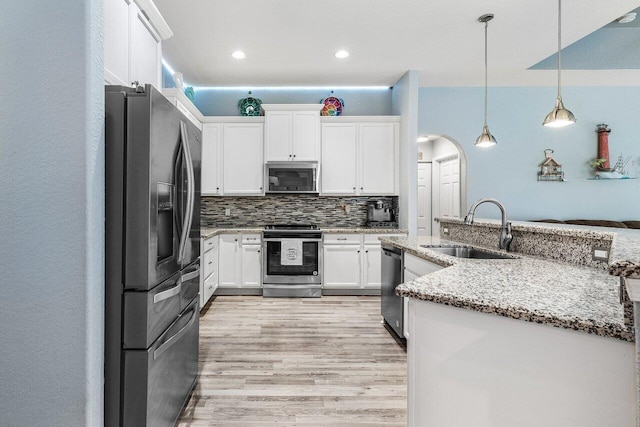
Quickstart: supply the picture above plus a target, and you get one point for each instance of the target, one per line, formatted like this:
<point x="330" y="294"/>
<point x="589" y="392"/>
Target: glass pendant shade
<point x="485" y="139"/>
<point x="559" y="116"/>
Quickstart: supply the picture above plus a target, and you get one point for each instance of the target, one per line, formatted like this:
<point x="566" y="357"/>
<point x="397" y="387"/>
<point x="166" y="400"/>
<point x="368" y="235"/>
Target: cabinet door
<point x="341" y="266"/>
<point x="277" y="140"/>
<point x="145" y="52"/>
<point x="243" y="171"/>
<point x="338" y="167"/>
<point x="211" y="160"/>
<point x="306" y="135"/>
<point x="229" y="264"/>
<point x="372" y="267"/>
<point x="378" y="154"/>
<point x="251" y="266"/>
<point x="116" y="42"/>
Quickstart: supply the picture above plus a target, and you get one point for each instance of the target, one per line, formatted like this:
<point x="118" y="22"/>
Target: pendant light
<point x="485" y="139"/>
<point x="559" y="116"/>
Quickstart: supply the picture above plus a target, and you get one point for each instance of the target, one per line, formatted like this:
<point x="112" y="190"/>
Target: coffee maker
<point x="380" y="214"/>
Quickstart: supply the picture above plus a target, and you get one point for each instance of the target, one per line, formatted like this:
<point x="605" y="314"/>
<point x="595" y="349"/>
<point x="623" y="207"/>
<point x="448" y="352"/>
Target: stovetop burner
<point x="291" y="227"/>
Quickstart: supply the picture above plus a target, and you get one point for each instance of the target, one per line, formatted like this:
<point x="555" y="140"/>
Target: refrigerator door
<point x="149" y="314"/>
<point x="189" y="284"/>
<point x="187" y="174"/>
<point x="152" y="147"/>
<point x="157" y="381"/>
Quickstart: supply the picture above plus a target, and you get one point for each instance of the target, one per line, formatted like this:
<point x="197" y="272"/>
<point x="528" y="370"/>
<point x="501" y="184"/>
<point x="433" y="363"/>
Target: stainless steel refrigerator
<point x="152" y="257"/>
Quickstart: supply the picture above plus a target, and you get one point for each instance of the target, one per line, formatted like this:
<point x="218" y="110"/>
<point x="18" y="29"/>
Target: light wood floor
<point x="297" y="361"/>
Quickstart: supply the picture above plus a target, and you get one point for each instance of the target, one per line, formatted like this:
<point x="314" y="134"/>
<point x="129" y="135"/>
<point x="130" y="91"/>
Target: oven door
<point x="307" y="272"/>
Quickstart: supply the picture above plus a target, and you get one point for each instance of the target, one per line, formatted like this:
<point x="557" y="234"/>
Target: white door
<point x="278" y="136"/>
<point x="211" y="161"/>
<point x="251" y="266"/>
<point x="229" y="261"/>
<point x="306" y="135"/>
<point x="424" y="199"/>
<point x="378" y="158"/>
<point x="243" y="169"/>
<point x="341" y="266"/>
<point x="339" y="156"/>
<point x="446" y="198"/>
<point x="145" y="53"/>
<point x="372" y="266"/>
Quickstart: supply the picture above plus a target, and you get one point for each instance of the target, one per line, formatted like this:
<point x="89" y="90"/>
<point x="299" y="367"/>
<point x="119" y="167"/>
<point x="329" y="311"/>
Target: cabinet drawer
<point x="251" y="239"/>
<point x="209" y="263"/>
<point x="419" y="266"/>
<point x="209" y="243"/>
<point x="342" y="239"/>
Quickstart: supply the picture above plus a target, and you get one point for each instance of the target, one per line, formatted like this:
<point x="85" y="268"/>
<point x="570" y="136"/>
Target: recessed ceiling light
<point x="341" y="54"/>
<point x="626" y="18"/>
<point x="238" y="54"/>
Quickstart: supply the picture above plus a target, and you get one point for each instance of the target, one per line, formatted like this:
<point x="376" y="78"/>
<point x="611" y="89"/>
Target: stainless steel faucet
<point x="505" y="235"/>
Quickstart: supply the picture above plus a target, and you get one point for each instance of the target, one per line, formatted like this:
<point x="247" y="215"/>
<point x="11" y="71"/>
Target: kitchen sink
<point x="460" y="251"/>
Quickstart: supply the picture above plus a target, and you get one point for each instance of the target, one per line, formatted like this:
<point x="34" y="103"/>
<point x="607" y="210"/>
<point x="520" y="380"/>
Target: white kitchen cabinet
<point x="230" y="261"/>
<point x="292" y="132"/>
<point x="371" y="266"/>
<point x="360" y="158"/>
<point x="341" y="266"/>
<point x="352" y="261"/>
<point x="339" y="159"/>
<point x="242" y="154"/>
<point x="209" y="269"/>
<point x="251" y="266"/>
<point x="211" y="166"/>
<point x="240" y="262"/>
<point x="133" y="34"/>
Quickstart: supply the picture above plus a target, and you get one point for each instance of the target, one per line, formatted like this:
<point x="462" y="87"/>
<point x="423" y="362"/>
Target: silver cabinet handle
<point x="341" y="238"/>
<point x="161" y="296"/>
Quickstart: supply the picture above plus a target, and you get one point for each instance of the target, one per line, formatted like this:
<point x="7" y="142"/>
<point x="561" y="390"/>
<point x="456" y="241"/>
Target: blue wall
<point x="508" y="170"/>
<point x="215" y="102"/>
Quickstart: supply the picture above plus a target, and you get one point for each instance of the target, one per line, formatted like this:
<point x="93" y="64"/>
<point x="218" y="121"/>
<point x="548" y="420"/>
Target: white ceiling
<point x="292" y="42"/>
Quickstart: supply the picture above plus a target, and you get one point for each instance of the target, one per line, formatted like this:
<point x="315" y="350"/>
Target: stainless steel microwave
<point x="291" y="177"/>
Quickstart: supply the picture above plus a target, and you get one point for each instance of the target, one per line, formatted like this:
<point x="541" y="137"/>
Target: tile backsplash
<point x="288" y="208"/>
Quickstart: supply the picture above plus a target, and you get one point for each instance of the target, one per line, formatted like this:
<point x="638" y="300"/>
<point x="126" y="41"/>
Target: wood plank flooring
<point x="297" y="362"/>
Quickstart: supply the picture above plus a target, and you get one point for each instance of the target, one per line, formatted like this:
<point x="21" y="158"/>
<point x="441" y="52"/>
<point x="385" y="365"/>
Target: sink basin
<point x="460" y="251"/>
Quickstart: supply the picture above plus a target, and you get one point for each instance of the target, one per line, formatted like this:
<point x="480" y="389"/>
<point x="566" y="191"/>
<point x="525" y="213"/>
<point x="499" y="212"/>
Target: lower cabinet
<point x="209" y="273"/>
<point x="240" y="261"/>
<point x="352" y="262"/>
<point x="414" y="267"/>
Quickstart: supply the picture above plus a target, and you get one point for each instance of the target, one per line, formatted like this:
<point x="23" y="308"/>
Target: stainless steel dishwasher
<point x="392" y="304"/>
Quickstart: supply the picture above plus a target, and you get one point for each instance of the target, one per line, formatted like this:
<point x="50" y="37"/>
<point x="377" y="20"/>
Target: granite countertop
<point x="206" y="232"/>
<point x="526" y="288"/>
<point x="625" y="254"/>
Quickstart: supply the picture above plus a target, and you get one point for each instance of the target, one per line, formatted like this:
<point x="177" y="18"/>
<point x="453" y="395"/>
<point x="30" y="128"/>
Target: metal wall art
<point x="550" y="169"/>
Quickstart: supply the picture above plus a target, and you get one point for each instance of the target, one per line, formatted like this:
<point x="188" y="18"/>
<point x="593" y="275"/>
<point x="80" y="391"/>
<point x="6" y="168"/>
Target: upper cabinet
<point x="360" y="156"/>
<point x="292" y="132"/>
<point x="133" y="32"/>
<point x="232" y="156"/>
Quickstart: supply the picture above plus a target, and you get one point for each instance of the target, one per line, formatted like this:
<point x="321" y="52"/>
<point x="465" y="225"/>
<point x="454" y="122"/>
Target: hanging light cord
<point x="559" y="44"/>
<point x="486" y="23"/>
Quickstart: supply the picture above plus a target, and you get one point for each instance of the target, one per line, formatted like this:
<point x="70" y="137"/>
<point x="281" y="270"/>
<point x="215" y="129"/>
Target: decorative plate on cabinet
<point x="249" y="106"/>
<point x="332" y="106"/>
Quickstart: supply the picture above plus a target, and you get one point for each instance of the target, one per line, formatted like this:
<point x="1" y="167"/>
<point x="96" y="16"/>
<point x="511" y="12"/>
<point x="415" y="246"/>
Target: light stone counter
<point x="526" y="288"/>
<point x="206" y="232"/>
<point x="363" y="230"/>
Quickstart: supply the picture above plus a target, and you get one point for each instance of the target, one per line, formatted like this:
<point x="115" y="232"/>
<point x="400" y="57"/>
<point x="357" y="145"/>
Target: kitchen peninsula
<point x="524" y="341"/>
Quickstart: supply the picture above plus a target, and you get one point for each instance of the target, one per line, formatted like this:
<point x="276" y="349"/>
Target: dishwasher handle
<point x="392" y="252"/>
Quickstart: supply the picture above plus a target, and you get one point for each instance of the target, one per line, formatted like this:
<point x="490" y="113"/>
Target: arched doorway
<point x="442" y="182"/>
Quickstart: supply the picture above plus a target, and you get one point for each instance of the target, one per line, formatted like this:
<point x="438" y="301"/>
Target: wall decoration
<point x="332" y="106"/>
<point x="189" y="93"/>
<point x="249" y="106"/>
<point x="550" y="169"/>
<point x="601" y="164"/>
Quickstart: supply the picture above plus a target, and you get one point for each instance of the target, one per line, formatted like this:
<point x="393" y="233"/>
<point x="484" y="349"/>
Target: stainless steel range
<point x="292" y="260"/>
